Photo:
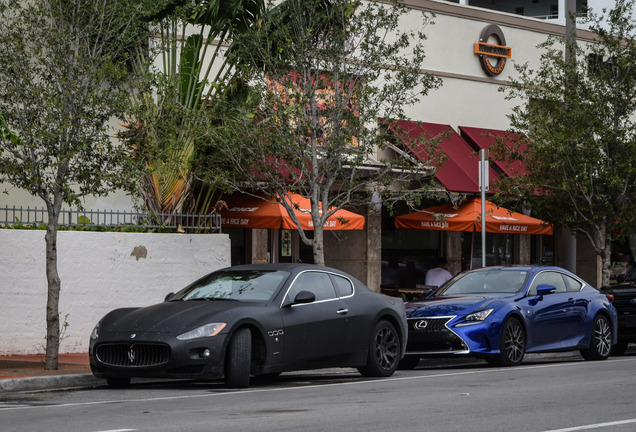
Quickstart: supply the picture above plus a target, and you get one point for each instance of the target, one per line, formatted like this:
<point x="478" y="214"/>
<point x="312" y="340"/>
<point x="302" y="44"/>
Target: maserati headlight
<point x="478" y="316"/>
<point x="211" y="329"/>
<point x="95" y="332"/>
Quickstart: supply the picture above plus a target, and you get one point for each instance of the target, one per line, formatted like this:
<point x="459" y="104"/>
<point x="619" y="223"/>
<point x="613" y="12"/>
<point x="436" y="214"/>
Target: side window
<point x="343" y="286"/>
<point x="548" y="278"/>
<point x="315" y="282"/>
<point x="572" y="284"/>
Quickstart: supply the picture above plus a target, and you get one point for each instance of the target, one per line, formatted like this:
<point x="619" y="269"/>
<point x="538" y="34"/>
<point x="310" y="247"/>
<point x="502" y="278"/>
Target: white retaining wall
<point x="99" y="272"/>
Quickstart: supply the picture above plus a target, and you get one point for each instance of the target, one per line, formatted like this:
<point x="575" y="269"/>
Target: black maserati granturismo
<point x="252" y="320"/>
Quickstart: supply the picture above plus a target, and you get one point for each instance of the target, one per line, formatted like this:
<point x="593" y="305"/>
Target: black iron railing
<point x="70" y="219"/>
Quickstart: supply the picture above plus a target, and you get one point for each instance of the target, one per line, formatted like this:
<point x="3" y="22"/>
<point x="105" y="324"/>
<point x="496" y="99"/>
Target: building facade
<point x="471" y="98"/>
<point x="472" y="46"/>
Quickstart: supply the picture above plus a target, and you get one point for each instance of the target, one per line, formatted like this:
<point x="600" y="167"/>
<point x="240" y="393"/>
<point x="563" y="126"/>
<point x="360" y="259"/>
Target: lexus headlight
<point x="207" y="330"/>
<point x="478" y="316"/>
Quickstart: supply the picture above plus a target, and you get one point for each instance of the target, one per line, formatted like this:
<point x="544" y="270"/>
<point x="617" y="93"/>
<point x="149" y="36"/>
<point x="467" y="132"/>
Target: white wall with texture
<point x="99" y="272"/>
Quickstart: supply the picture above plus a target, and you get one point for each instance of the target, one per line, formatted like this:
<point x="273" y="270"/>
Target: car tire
<point x="600" y="340"/>
<point x="512" y="345"/>
<point x="238" y="359"/>
<point x="620" y="348"/>
<point x="118" y="383"/>
<point x="384" y="351"/>
<point x="408" y="362"/>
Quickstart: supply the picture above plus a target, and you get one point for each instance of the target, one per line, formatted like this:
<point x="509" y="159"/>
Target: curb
<point x="50" y="382"/>
<point x="61" y="382"/>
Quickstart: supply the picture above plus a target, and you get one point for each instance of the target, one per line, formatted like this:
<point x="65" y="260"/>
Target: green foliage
<point x="579" y="114"/>
<point x="63" y="63"/>
<point x="324" y="72"/>
<point x="124" y="228"/>
<point x="185" y="75"/>
<point x="58" y="89"/>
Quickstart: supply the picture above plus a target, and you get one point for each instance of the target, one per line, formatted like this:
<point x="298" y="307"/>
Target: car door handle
<point x="342" y="311"/>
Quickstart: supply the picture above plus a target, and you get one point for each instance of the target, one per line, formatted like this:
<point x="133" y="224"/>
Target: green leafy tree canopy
<point x="62" y="66"/>
<point x="324" y="75"/>
<point x="578" y="113"/>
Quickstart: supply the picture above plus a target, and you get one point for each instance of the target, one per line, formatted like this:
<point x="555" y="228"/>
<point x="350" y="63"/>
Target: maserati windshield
<point x="245" y="285"/>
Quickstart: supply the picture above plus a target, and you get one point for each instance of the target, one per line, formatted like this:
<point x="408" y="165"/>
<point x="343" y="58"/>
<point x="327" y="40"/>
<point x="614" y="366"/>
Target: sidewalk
<point x="18" y="373"/>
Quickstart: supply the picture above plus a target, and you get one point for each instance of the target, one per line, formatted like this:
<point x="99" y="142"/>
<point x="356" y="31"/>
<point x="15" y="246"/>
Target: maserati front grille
<point x="133" y="355"/>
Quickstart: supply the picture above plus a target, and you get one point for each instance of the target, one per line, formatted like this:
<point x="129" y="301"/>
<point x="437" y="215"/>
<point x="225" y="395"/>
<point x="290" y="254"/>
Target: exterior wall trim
<point x="495" y="17"/>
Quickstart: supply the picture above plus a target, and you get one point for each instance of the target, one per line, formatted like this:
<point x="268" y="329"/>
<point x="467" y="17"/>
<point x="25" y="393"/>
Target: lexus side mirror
<point x="544" y="289"/>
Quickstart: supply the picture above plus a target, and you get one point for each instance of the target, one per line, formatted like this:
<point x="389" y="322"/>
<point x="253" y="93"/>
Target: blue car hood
<point x="446" y="306"/>
<point x="171" y="317"/>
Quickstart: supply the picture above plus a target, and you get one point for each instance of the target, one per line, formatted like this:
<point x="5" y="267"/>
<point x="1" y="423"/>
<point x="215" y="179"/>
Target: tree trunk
<point x="606" y="257"/>
<point x="318" y="245"/>
<point x="53" y="299"/>
<point x="603" y="244"/>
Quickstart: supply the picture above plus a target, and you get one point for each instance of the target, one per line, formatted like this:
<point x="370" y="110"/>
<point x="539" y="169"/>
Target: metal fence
<point x="112" y="219"/>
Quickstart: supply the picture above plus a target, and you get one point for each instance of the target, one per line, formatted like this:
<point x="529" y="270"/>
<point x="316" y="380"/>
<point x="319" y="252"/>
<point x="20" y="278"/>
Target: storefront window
<point x="499" y="249"/>
<point x="546" y="244"/>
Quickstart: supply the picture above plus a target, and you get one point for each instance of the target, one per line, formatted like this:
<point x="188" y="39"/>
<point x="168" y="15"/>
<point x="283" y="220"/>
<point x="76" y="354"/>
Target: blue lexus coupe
<point x="501" y="313"/>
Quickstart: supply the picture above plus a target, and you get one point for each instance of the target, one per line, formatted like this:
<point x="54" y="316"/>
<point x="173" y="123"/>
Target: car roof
<point x="290" y="267"/>
<point x="533" y="268"/>
<point x="270" y="266"/>
<point x="526" y="267"/>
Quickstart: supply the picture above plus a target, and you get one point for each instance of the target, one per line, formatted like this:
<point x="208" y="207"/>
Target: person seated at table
<point x="438" y="275"/>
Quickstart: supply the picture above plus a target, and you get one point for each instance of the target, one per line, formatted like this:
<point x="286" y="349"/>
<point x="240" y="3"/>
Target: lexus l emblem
<point x="131" y="355"/>
<point x="134" y="335"/>
<point x="420" y="325"/>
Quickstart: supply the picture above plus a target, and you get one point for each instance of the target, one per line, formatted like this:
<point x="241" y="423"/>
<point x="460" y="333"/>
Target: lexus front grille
<point x="429" y="335"/>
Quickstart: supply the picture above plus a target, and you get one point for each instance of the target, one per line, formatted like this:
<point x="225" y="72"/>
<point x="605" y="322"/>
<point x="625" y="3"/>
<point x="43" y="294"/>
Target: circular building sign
<point x="492" y="56"/>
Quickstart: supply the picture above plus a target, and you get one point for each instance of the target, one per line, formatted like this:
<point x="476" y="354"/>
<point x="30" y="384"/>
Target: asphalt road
<point x="546" y="393"/>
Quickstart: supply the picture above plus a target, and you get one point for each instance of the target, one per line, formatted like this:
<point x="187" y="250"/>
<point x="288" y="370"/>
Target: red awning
<point x="467" y="217"/>
<point x="484" y="138"/>
<point x="459" y="172"/>
<point x="247" y="211"/>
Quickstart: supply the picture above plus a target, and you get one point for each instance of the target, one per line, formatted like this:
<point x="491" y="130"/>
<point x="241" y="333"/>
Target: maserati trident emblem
<point x="131" y="354"/>
<point x="420" y="325"/>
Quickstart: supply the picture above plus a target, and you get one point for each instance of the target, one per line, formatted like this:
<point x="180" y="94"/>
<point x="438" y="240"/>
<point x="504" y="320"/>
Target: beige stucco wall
<point x="347" y="251"/>
<point x="468" y="96"/>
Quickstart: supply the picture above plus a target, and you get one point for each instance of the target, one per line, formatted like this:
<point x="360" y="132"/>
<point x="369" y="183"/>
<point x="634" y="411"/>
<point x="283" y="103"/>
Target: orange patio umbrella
<point x="247" y="211"/>
<point x="467" y="217"/>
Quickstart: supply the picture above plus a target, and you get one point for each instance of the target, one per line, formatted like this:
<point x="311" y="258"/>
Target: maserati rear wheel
<point x="384" y="351"/>
<point x="238" y="359"/>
